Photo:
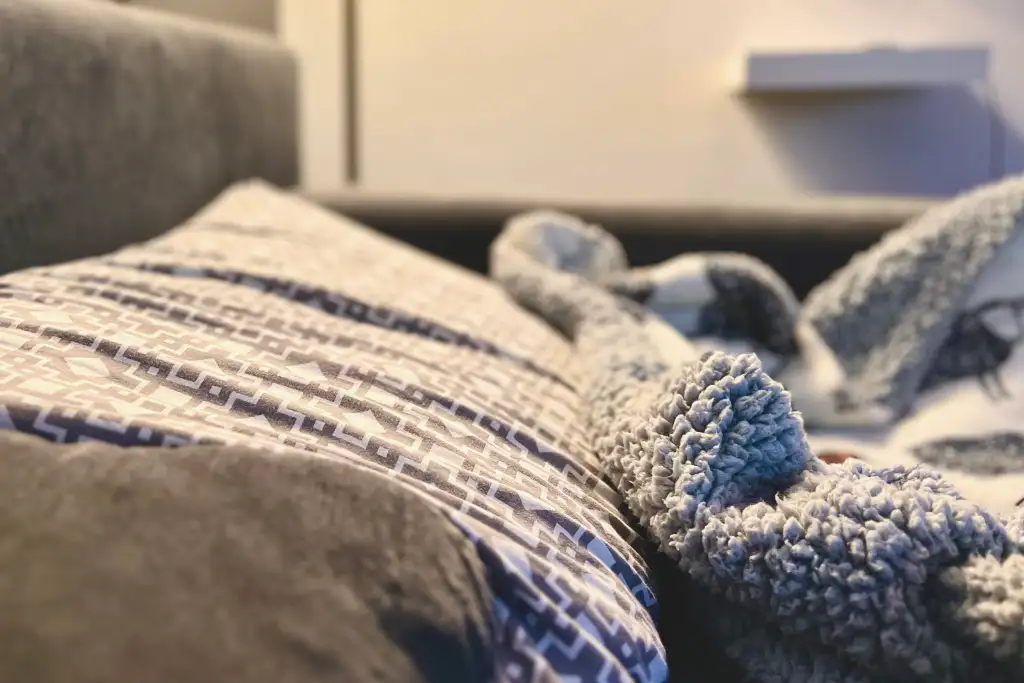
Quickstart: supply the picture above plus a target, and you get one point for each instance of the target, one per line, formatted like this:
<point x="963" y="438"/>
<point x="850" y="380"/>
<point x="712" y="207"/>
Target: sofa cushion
<point x="210" y="563"/>
<point x="120" y="123"/>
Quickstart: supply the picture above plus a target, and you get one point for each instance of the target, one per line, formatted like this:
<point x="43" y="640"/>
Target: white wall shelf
<point x="880" y="68"/>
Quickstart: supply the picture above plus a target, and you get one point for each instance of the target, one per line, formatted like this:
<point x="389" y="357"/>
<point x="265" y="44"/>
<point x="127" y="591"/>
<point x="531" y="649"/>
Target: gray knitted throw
<point x="814" y="572"/>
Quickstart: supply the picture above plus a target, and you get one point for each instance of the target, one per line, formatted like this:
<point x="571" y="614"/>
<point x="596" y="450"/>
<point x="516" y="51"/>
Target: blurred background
<point x="640" y="102"/>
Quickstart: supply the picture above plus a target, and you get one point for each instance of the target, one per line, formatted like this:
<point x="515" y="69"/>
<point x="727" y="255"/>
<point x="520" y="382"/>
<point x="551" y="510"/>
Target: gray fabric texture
<point x="887" y="314"/>
<point x="120" y="123"/>
<point x="210" y="564"/>
<point x="269" y="323"/>
<point x="825" y="572"/>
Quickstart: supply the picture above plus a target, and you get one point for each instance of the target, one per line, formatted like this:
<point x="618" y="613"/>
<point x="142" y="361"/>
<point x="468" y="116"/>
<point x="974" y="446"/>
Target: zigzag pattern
<point x="319" y="336"/>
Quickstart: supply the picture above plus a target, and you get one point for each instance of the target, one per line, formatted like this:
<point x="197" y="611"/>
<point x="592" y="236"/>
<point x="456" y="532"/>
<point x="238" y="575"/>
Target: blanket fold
<point x="890" y="313"/>
<point x="815" y="572"/>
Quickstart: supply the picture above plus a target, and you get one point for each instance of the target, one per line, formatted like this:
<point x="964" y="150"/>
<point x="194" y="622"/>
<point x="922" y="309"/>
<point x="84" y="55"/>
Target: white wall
<point x="626" y="101"/>
<point x="314" y="30"/>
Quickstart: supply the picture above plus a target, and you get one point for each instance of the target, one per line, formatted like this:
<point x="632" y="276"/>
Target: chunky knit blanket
<point x="813" y="569"/>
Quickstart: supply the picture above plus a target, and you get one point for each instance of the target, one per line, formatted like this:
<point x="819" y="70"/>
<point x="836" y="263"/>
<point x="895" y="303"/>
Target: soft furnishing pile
<point x="814" y="572"/>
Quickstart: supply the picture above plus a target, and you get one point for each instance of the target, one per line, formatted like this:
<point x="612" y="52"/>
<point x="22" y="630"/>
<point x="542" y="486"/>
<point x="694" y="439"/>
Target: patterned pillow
<point x="269" y="322"/>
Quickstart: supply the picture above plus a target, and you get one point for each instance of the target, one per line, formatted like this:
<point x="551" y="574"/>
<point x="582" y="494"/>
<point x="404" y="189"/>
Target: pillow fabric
<point x="222" y="563"/>
<point x="270" y="323"/>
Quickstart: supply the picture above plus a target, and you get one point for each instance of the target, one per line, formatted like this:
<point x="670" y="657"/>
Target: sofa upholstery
<point x="120" y="122"/>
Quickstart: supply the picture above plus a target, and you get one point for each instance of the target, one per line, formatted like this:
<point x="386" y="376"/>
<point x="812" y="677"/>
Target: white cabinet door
<point x="613" y="101"/>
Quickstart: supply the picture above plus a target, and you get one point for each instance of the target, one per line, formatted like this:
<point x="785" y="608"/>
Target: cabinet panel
<point x="600" y="99"/>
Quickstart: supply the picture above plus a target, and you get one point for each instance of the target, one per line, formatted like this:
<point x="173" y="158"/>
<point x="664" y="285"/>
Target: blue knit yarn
<point x="870" y="573"/>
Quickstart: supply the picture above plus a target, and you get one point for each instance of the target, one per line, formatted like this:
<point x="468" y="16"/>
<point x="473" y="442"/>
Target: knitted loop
<point x="565" y="243"/>
<point x="731" y="434"/>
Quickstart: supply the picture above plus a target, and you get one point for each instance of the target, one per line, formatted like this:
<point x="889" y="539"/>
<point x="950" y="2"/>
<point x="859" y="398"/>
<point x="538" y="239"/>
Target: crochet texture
<point x="816" y="572"/>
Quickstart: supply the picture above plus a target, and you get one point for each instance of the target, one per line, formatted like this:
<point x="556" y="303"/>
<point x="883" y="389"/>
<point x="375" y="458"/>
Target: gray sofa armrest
<point x="118" y="123"/>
